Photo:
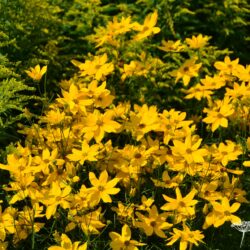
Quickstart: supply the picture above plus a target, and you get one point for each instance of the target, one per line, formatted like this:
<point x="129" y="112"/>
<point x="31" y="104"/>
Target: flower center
<point x="137" y="155"/>
<point x="142" y="125"/>
<point x="220" y="116"/>
<point x="126" y="243"/>
<point x="100" y="188"/>
<point x="182" y="204"/>
<point x="152" y="223"/>
<point x="99" y="122"/>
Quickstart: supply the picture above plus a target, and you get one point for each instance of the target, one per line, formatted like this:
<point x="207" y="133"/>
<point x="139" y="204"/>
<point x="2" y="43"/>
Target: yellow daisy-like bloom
<point x="224" y="212"/>
<point x="171" y="46"/>
<point x="87" y="153"/>
<point x="66" y="244"/>
<point x="148" y="28"/>
<point x="187" y="237"/>
<point x="226" y="152"/>
<point x="217" y="116"/>
<point x="189" y="150"/>
<point x="188" y="70"/>
<point x="98" y="68"/>
<point x="123" y="241"/>
<point x="96" y="124"/>
<point x="183" y="206"/>
<point x="102" y="188"/>
<point x="197" y="42"/>
<point x="228" y="66"/>
<point x="37" y="72"/>
<point x="155" y="223"/>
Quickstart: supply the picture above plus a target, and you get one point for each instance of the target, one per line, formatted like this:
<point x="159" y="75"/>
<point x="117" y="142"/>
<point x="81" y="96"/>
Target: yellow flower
<point x="96" y="124"/>
<point x="91" y="222"/>
<point x="4" y="245"/>
<point x="168" y="182"/>
<point x="197" y="42"/>
<point x="120" y="27"/>
<point x="98" y="68"/>
<point x="25" y="224"/>
<point x="183" y="206"/>
<point x="198" y="92"/>
<point x="173" y="124"/>
<point x="187" y="237"/>
<point x="171" y="46"/>
<point x="215" y="82"/>
<point x="22" y="186"/>
<point x="75" y="100"/>
<point x="66" y="244"/>
<point x="55" y="197"/>
<point x="143" y="120"/>
<point x="123" y="241"/>
<point x="102" y="188"/>
<point x="217" y="116"/>
<point x="87" y="153"/>
<point x="189" y="150"/>
<point x="154" y="223"/>
<point x="243" y="73"/>
<point x="240" y="92"/>
<point x="134" y="68"/>
<point x="224" y="212"/>
<point x="208" y="191"/>
<point x="148" y="28"/>
<point x="246" y="163"/>
<point x="124" y="212"/>
<point x="188" y="70"/>
<point x="36" y="73"/>
<point x="7" y="223"/>
<point x="228" y="66"/>
<point x="146" y="203"/>
<point x="226" y="152"/>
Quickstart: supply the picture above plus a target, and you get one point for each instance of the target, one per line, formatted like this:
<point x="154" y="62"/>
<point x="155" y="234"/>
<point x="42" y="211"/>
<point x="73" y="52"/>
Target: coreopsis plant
<point x="171" y="46"/>
<point x="189" y="150"/>
<point x="37" y="72"/>
<point x="102" y="188"/>
<point x="226" y="152"/>
<point x="87" y="153"/>
<point x="56" y="196"/>
<point x="184" y="206"/>
<point x="143" y="120"/>
<point x="222" y="212"/>
<point x="124" y="241"/>
<point x="154" y="223"/>
<point x="89" y="221"/>
<point x="147" y="28"/>
<point x="197" y="42"/>
<point x="98" y="68"/>
<point x="95" y="124"/>
<point x="66" y="244"/>
<point x="186" y="236"/>
<point x="6" y="223"/>
<point x="92" y="163"/>
<point x="217" y="115"/>
<point x="188" y="70"/>
<point x="125" y="213"/>
<point x="227" y="67"/>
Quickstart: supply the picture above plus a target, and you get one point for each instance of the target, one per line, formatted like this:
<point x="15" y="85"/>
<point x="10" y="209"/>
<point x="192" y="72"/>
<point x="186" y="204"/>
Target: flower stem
<point x="242" y="239"/>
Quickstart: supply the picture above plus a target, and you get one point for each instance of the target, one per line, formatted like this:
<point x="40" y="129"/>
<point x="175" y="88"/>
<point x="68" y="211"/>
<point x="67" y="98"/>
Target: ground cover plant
<point x="144" y="143"/>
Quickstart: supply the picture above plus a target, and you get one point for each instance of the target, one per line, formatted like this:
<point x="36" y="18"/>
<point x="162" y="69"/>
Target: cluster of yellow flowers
<point x="152" y="167"/>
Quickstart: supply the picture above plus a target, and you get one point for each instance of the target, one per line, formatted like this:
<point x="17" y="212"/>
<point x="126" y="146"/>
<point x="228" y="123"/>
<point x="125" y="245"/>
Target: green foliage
<point x="227" y="21"/>
<point x="14" y="97"/>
